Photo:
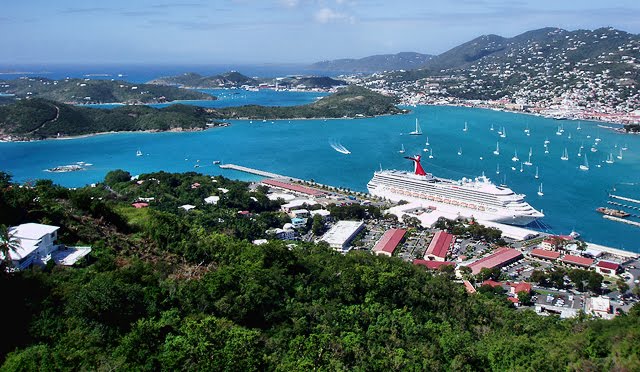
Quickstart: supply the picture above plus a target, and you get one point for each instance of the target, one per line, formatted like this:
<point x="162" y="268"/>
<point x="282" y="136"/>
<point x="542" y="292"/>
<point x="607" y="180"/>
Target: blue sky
<point x="275" y="31"/>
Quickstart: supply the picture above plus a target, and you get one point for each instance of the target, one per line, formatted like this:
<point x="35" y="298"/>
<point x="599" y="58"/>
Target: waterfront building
<point x="389" y="242"/>
<point x="342" y="233"/>
<point x="498" y="259"/>
<point x="439" y="247"/>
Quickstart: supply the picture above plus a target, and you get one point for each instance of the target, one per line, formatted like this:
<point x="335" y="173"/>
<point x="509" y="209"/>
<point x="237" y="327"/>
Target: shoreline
<point x="174" y="130"/>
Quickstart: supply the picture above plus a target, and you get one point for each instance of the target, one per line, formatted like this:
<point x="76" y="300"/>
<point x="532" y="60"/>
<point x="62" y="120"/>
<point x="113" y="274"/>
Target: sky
<point x="276" y="31"/>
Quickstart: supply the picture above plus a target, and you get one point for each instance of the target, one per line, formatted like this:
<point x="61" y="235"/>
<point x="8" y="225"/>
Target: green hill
<point x="232" y="79"/>
<point x="77" y="91"/>
<point x="352" y="101"/>
<point x="376" y="63"/>
<point x="38" y="119"/>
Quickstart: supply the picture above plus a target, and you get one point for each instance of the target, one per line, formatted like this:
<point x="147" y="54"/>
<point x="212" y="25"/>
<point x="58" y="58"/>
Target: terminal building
<point x="389" y="242"/>
<point x="439" y="246"/>
<point x="498" y="259"/>
<point x="342" y="233"/>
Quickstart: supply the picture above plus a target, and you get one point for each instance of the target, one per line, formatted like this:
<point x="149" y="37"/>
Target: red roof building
<point x="545" y="254"/>
<point x="499" y="258"/>
<point x="468" y="287"/>
<point x="292" y="187"/>
<point x="433" y="265"/>
<point x="439" y="246"/>
<point x="520" y="287"/>
<point x="140" y="205"/>
<point x="577" y="260"/>
<point x="389" y="242"/>
<point x="492" y="283"/>
<point x="607" y="268"/>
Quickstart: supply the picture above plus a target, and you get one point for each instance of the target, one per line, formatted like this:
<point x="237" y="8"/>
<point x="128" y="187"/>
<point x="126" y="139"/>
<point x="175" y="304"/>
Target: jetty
<point x="255" y="171"/>
<point x="624" y="198"/>
<point x="612" y="218"/>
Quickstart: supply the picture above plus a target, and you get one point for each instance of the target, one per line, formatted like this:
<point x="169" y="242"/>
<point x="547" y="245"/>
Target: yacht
<point x="585" y="166"/>
<point x="497" y="150"/>
<point x="504" y="133"/>
<point x="619" y="155"/>
<point x="528" y="162"/>
<point x="460" y="151"/>
<point x="465" y="127"/>
<point x="609" y="159"/>
<point x="418" y="131"/>
<point x="138" y="153"/>
<point x="540" y="193"/>
<point x="498" y="169"/>
<point x="431" y="154"/>
<point x="477" y="197"/>
<point x="491" y="128"/>
<point x="515" y="156"/>
<point x="580" y="152"/>
<point x="401" y="149"/>
<point x="625" y="147"/>
<point x="578" y="128"/>
<point x="521" y="168"/>
<point x="537" y="175"/>
<point x="565" y="155"/>
<point x="558" y="132"/>
<point x="594" y="148"/>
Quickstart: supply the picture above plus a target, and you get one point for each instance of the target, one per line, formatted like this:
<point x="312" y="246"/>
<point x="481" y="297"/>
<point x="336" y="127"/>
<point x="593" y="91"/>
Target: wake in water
<point x="338" y="147"/>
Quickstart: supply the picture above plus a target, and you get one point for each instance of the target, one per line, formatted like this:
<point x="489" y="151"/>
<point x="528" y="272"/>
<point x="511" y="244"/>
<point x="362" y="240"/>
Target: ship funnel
<point x="417" y="166"/>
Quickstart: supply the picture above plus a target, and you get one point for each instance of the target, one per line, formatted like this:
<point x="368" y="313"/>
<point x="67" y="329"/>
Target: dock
<point x="624" y="198"/>
<point x="255" y="171"/>
<point x="617" y="219"/>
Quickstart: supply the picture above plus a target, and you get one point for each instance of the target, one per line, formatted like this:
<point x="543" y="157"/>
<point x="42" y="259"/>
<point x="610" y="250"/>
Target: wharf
<point x="255" y="171"/>
<point x="624" y="198"/>
<point x="612" y="218"/>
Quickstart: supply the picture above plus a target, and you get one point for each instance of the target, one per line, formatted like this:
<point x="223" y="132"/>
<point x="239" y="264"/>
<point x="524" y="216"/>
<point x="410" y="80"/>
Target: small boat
<point x="465" y="127"/>
<point x="619" y="155"/>
<point x="497" y="150"/>
<point x="138" y="153"/>
<point x="431" y="155"/>
<point x="515" y="156"/>
<point x="460" y="151"/>
<point x="536" y="176"/>
<point x="216" y="162"/>
<point x="581" y="145"/>
<point x="585" y="166"/>
<point x="569" y="137"/>
<point x="609" y="159"/>
<point x="594" y="149"/>
<point x="578" y="128"/>
<point x="521" y="168"/>
<point x="558" y="132"/>
<point x="427" y="143"/>
<point x="504" y="133"/>
<point x="580" y="152"/>
<point x="401" y="149"/>
<point x="546" y="149"/>
<point x="498" y="169"/>
<point x="613" y="212"/>
<point x="526" y="130"/>
<point x="565" y="155"/>
<point x="491" y="128"/>
<point x="546" y="141"/>
<point x="540" y="193"/>
<point x="574" y="234"/>
<point x="418" y="131"/>
<point x="625" y="147"/>
<point x="528" y="162"/>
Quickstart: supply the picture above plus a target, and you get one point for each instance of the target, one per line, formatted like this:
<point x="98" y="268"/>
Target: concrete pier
<point x="255" y="171"/>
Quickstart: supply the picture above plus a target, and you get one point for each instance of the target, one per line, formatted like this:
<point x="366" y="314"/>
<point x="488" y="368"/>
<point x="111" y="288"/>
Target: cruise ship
<point x="478" y="198"/>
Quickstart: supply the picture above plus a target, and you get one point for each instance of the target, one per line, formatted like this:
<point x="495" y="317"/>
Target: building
<point x="187" y="207"/>
<point x="600" y="307"/>
<point x="607" y="268"/>
<point x="298" y="222"/>
<point x="298" y="189"/>
<point x="139" y="205"/>
<point x="433" y="265"/>
<point x="286" y="233"/>
<point x="389" y="242"/>
<point x="213" y="199"/>
<point x="515" y="288"/>
<point x="296" y="204"/>
<point x="439" y="246"/>
<point x="325" y="214"/>
<point x="342" y="233"/>
<point x="36" y="244"/>
<point x="577" y="261"/>
<point x="498" y="259"/>
<point x="468" y="287"/>
<point x="299" y="213"/>
<point x="545" y="254"/>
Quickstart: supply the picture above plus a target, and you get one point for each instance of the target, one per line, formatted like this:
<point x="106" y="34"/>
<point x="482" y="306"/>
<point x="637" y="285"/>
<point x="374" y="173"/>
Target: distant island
<point x="36" y="118"/>
<point x="88" y="91"/>
<point x="376" y="63"/>
<point x="234" y="79"/>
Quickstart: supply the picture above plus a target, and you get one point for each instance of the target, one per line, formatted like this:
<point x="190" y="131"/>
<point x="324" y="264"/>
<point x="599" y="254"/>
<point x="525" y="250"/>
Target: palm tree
<point x="8" y="243"/>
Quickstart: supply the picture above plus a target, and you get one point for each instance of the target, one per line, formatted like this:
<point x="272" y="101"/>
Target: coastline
<point x="173" y="130"/>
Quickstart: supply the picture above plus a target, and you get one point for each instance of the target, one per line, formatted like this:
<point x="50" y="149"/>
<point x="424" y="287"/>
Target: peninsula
<point x="87" y="91"/>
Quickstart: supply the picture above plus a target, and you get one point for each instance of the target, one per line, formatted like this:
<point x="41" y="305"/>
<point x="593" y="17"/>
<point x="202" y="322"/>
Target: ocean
<point x="303" y="149"/>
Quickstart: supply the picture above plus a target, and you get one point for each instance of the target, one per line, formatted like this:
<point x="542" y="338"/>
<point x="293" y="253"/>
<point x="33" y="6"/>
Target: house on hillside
<point x="35" y="241"/>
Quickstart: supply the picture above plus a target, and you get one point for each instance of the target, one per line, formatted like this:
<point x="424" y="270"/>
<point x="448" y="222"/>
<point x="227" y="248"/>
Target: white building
<point x="599" y="306"/>
<point x="342" y="233"/>
<point x="36" y="243"/>
<point x="213" y="199"/>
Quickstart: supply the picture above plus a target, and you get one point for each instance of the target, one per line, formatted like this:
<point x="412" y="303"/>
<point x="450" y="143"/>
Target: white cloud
<point x="289" y="3"/>
<point x="326" y="15"/>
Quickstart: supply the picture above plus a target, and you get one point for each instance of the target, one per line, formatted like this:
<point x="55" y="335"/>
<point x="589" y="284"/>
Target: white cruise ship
<point x="478" y="197"/>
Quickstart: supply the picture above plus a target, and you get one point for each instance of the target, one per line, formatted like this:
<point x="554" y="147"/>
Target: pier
<point x="617" y="219"/>
<point x="625" y="199"/>
<point x="255" y="171"/>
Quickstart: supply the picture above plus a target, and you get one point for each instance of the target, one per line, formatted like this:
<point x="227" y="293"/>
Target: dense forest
<point x="166" y="289"/>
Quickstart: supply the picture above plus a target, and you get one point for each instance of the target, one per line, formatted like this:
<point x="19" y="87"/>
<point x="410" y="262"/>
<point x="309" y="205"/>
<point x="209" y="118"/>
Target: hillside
<point x="309" y="82"/>
<point x="165" y="289"/>
<point x="38" y="119"/>
<point x="232" y="79"/>
<point x="376" y="63"/>
<point x="351" y="102"/>
<point x="77" y="91"/>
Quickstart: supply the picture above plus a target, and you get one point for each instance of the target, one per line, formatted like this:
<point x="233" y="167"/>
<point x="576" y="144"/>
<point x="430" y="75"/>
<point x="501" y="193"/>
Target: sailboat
<point x="569" y="136"/>
<point x="598" y="137"/>
<point x="546" y="141"/>
<point x="619" y="155"/>
<point x="558" y="132"/>
<point x="498" y="169"/>
<point x="609" y="159"/>
<point x="504" y="133"/>
<point x="521" y="168"/>
<point x="138" y="153"/>
<point x="540" y="190"/>
<point x="528" y="162"/>
<point x="536" y="176"/>
<point x="565" y="155"/>
<point x="431" y="154"/>
<point x="515" y="156"/>
<point x="581" y="145"/>
<point x="427" y="143"/>
<point x="497" y="150"/>
<point x="526" y="130"/>
<point x="418" y="131"/>
<point x="491" y="128"/>
<point x="585" y="166"/>
<point x="578" y="128"/>
<point x="580" y="152"/>
<point x="546" y="149"/>
<point x="625" y="147"/>
<point x="465" y="127"/>
<point x="401" y="149"/>
<point x="594" y="148"/>
<point x="460" y="151"/>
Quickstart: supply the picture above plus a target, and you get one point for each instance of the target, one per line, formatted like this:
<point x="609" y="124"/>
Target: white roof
<point x="322" y="212"/>
<point x="260" y="241"/>
<point x="33" y="231"/>
<point x="600" y="304"/>
<point x="223" y="190"/>
<point x="283" y="196"/>
<point x="23" y="250"/>
<point x="299" y="202"/>
<point x="300" y="211"/>
<point x="341" y="232"/>
<point x="187" y="207"/>
<point x="213" y="199"/>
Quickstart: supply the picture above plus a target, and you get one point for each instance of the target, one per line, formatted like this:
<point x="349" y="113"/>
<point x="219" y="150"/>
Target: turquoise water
<point x="301" y="148"/>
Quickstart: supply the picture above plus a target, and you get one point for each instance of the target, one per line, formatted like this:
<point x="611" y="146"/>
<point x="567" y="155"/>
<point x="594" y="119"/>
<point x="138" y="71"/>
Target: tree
<point x="594" y="282"/>
<point x="8" y="244"/>
<point x="117" y="176"/>
<point x="524" y="297"/>
<point x="622" y="286"/>
<point x="318" y="225"/>
<point x="539" y="276"/>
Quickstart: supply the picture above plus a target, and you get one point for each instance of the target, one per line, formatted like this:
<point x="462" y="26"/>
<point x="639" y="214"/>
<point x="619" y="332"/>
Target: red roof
<point x="492" y="283"/>
<point x="543" y="253"/>
<point x="140" y="205"/>
<point x="292" y="187"/>
<point x="499" y="258"/>
<point x="513" y="299"/>
<point x="440" y="244"/>
<point x="522" y="287"/>
<point x="577" y="260"/>
<point x="433" y="265"/>
<point x="468" y="286"/>
<point x="608" y="265"/>
<point x="389" y="241"/>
